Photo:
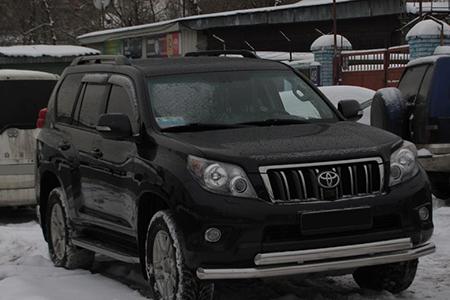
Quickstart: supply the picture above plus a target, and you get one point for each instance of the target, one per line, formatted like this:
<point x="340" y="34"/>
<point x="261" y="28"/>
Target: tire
<point x="62" y="252"/>
<point x="389" y="112"/>
<point x="440" y="185"/>
<point x="168" y="275"/>
<point x="394" y="278"/>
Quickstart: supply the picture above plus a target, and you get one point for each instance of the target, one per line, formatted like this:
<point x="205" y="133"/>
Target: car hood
<point x="257" y="146"/>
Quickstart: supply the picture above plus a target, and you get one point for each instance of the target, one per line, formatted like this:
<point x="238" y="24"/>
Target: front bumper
<point x="323" y="260"/>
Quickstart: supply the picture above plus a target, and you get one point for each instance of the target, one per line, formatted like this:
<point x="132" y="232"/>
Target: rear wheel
<point x="169" y="277"/>
<point x="394" y="278"/>
<point x="62" y="252"/>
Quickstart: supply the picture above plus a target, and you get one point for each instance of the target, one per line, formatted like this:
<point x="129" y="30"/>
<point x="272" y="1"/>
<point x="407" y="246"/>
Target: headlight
<point x="403" y="164"/>
<point x="221" y="178"/>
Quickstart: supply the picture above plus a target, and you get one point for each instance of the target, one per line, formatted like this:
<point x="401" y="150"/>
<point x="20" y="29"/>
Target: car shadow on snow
<point x="17" y="215"/>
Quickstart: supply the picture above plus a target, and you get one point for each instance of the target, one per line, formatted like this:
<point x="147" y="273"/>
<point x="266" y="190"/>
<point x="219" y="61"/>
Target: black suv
<point x="207" y="168"/>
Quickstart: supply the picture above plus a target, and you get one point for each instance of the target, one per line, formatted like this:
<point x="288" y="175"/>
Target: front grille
<point x="357" y="178"/>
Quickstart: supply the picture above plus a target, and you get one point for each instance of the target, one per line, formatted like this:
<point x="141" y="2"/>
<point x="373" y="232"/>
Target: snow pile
<point x="46" y="50"/>
<point x="442" y="50"/>
<point x="427" y="28"/>
<point x="327" y="41"/>
<point x="27" y="274"/>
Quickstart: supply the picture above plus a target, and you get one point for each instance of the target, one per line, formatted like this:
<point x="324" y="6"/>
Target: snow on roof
<point x="428" y="27"/>
<point x="285" y="56"/>
<point x="425" y="60"/>
<point x="442" y="50"/>
<point x="327" y="40"/>
<point x="435" y="6"/>
<point x="304" y="3"/>
<point x="9" y="74"/>
<point x="46" y="50"/>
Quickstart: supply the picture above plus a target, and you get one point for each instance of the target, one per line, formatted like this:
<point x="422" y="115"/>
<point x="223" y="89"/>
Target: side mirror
<point x="114" y="126"/>
<point x="350" y="109"/>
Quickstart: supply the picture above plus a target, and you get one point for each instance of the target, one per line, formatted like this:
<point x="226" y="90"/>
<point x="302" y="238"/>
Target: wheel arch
<point x="48" y="182"/>
<point x="148" y="205"/>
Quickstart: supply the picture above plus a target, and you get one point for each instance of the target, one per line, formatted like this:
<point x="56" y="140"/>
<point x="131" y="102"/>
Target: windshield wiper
<point x="201" y="127"/>
<point x="271" y="122"/>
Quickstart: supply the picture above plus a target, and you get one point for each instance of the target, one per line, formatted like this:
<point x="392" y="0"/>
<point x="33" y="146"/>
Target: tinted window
<point x="411" y="80"/>
<point x="119" y="102"/>
<point x="91" y="105"/>
<point x="66" y="98"/>
<point x="21" y="101"/>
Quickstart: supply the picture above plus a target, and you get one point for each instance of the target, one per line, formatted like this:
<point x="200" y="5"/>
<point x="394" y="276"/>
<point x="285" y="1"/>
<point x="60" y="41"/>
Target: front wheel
<point x="394" y="278"/>
<point x="169" y="277"/>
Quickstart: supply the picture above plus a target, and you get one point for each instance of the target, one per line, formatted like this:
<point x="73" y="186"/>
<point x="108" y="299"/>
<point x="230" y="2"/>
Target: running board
<point x="105" y="250"/>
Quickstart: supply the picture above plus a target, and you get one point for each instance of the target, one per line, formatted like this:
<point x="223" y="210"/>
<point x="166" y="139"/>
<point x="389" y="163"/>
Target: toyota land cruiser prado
<point x="207" y="168"/>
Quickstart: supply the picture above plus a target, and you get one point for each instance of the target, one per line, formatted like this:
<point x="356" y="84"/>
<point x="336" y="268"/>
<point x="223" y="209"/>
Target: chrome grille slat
<point x="302" y="178"/>
<point x="299" y="182"/>
<point x="286" y="185"/>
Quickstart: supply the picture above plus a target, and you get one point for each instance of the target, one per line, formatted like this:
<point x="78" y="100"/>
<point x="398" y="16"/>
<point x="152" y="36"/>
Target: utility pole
<point x="420" y="8"/>
<point x="335" y="43"/>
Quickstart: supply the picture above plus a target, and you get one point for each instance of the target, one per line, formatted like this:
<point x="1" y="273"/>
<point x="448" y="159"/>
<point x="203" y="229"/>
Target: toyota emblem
<point x="328" y="179"/>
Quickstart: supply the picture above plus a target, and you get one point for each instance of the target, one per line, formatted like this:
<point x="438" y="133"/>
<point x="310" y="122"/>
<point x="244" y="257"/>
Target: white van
<point x="22" y="94"/>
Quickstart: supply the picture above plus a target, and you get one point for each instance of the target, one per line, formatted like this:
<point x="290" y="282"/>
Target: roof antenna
<point x="222" y="41"/>
<point x="290" y="44"/>
<point x="250" y="46"/>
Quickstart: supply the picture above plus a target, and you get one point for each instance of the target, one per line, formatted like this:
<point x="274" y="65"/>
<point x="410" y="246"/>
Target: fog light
<point x="424" y="214"/>
<point x="213" y="235"/>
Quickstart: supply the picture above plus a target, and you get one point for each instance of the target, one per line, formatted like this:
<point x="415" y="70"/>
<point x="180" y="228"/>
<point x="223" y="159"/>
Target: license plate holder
<point x="337" y="220"/>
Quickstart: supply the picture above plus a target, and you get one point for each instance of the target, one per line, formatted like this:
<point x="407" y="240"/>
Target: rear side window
<point x="67" y="96"/>
<point x="92" y="103"/>
<point x="120" y="102"/>
<point x="410" y="83"/>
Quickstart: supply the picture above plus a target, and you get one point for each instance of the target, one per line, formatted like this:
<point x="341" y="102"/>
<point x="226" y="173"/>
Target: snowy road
<point x="27" y="274"/>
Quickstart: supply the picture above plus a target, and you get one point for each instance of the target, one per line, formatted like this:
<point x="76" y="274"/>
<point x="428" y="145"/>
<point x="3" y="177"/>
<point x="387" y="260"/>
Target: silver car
<point x="22" y="94"/>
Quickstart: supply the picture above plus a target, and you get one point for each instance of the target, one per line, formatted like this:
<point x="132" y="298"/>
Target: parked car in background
<point x="22" y="94"/>
<point x="419" y="111"/>
<point x="363" y="95"/>
<point x="201" y="168"/>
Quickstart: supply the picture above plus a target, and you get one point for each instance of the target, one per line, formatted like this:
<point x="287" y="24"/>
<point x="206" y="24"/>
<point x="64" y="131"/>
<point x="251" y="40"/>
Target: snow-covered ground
<point x="27" y="274"/>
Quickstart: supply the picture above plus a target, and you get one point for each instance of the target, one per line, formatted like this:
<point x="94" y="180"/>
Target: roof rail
<point x="243" y="53"/>
<point x="101" y="59"/>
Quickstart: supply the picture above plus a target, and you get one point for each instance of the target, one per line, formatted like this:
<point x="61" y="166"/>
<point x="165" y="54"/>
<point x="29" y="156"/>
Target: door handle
<point x="97" y="153"/>
<point x="64" y="146"/>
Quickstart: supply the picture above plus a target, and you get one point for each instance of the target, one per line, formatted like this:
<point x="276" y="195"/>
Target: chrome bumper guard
<point x="323" y="260"/>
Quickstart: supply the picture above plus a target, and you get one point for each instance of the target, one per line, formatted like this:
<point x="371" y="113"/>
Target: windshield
<point x="232" y="98"/>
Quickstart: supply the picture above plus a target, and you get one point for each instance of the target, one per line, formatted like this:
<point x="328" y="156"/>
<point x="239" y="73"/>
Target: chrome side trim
<point x="332" y="252"/>
<point x="101" y="250"/>
<point x="264" y="169"/>
<point x="327" y="266"/>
